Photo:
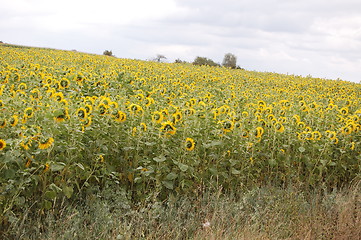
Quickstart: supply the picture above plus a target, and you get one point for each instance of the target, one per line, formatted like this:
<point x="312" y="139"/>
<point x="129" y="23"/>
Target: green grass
<point x="261" y="213"/>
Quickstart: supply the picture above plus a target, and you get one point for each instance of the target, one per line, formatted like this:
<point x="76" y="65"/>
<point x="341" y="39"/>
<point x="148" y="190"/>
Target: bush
<point x="108" y="53"/>
<point x="205" y="61"/>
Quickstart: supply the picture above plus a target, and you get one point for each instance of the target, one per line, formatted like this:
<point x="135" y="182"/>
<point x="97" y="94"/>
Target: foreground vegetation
<point x="73" y="124"/>
<point x="261" y="213"/>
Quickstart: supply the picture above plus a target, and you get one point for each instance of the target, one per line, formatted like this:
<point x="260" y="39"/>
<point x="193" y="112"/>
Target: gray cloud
<point x="321" y="38"/>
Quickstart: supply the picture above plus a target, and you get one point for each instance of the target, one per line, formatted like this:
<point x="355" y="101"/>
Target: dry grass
<point x="262" y="213"/>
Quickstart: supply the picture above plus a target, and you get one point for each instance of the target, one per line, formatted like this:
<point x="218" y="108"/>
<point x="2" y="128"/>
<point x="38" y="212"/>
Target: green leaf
<point x="50" y="195"/>
<point x="68" y="191"/>
<point x="47" y="204"/>
<point x="161" y="158"/>
<point x="301" y="149"/>
<point x="168" y="184"/>
<point x="213" y="143"/>
<point x="9" y="173"/>
<point x="235" y="171"/>
<point x="171" y="176"/>
<point x="183" y="167"/>
<point x="55" y="167"/>
<point x="55" y="188"/>
<point x="80" y="166"/>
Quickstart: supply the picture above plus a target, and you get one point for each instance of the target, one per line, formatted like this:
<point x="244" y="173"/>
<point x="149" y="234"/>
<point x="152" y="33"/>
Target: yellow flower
<point x="279" y="127"/>
<point x="120" y="116"/>
<point x="28" y="162"/>
<point x="168" y="128"/>
<point x="189" y="144"/>
<point x="28" y="112"/>
<point x="46" y="167"/>
<point x="344" y="110"/>
<point x="157" y="117"/>
<point x="46" y="144"/>
<point x="143" y="126"/>
<point x="14" y="120"/>
<point x="26" y="143"/>
<point x="352" y="146"/>
<point x="176" y="117"/>
<point x="2" y="144"/>
<point x="2" y="123"/>
<point x="259" y="132"/>
<point x="87" y="122"/>
<point x="227" y="125"/>
<point x="82" y="114"/>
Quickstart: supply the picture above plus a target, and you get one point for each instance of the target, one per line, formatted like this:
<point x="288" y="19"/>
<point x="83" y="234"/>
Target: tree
<point x="159" y="58"/>
<point x="229" y="60"/>
<point x="179" y="61"/>
<point x="108" y="53"/>
<point x="205" y="61"/>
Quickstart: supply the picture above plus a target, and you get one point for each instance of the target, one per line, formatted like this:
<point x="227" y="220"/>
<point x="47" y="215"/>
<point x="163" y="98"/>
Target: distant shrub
<point x="205" y="61"/>
<point x="108" y="53"/>
<point x="230" y="60"/>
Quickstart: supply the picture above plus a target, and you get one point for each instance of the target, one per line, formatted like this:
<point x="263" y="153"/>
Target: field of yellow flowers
<point x="70" y="120"/>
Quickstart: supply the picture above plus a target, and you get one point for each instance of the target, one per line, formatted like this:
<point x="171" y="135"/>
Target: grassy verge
<point x="261" y="213"/>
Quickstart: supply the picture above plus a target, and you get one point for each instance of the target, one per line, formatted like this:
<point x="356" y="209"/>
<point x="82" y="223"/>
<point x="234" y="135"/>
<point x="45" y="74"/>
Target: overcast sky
<point x="321" y="38"/>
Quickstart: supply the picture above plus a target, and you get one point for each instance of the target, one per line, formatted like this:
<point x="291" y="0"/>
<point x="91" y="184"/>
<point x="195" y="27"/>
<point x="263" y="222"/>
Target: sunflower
<point x="301" y="124"/>
<point x="316" y="135"/>
<point x="14" y="120"/>
<point x="176" y="117"/>
<point x="227" y="125"/>
<point x="344" y="111"/>
<point x="245" y="133"/>
<point x="143" y="126"/>
<point x="2" y="144"/>
<point x="189" y="144"/>
<point x="46" y="143"/>
<point x="149" y="101"/>
<point x="88" y="108"/>
<point x="61" y="115"/>
<point x="82" y="113"/>
<point x="331" y="134"/>
<point x="334" y="140"/>
<point x="102" y="108"/>
<point x="64" y="83"/>
<point x="120" y="116"/>
<point x="259" y="132"/>
<point x="157" y="117"/>
<point x="26" y="143"/>
<point x="113" y="104"/>
<point x="28" y="112"/>
<point x="135" y="109"/>
<point x="58" y="96"/>
<point x="189" y="111"/>
<point x="168" y="128"/>
<point x="279" y="127"/>
<point x="87" y="122"/>
<point x="2" y="123"/>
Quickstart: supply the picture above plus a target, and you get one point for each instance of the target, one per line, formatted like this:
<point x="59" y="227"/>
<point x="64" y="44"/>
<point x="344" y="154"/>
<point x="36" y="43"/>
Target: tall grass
<point x="261" y="213"/>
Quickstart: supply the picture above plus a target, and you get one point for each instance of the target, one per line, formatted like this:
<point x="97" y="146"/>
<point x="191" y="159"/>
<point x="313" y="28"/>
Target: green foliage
<point x="205" y="61"/>
<point x="230" y="60"/>
<point x="108" y="53"/>
<point x="72" y="122"/>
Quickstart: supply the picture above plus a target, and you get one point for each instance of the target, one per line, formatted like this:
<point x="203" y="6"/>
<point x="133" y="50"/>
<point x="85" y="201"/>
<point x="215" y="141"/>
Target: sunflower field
<point x="70" y="121"/>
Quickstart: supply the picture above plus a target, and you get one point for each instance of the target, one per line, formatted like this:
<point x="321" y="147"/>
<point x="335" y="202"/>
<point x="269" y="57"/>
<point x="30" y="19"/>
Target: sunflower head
<point x="46" y="143"/>
<point x="168" y="128"/>
<point x="157" y="117"/>
<point x="189" y="144"/>
<point x="82" y="113"/>
<point x="120" y="116"/>
<point x="279" y="127"/>
<point x="2" y="144"/>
